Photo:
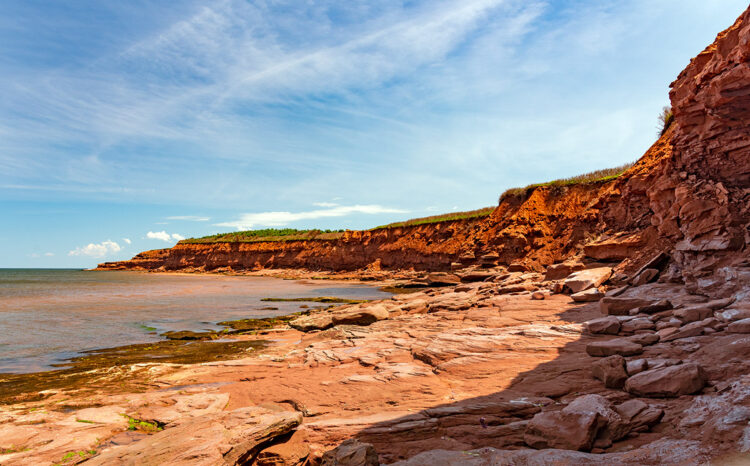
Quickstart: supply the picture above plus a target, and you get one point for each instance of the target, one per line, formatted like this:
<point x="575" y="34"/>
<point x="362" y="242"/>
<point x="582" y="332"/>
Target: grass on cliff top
<point x="597" y="176"/>
<point x="483" y="212"/>
<point x="267" y="234"/>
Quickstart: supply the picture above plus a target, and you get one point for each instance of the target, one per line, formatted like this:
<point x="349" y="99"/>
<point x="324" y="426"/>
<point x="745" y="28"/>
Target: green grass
<point x="267" y="234"/>
<point x="143" y="426"/>
<point x="85" y="421"/>
<point x="479" y="213"/>
<point x="597" y="176"/>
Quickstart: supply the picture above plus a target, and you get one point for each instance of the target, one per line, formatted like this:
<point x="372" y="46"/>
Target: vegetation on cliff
<point x="267" y="234"/>
<point x="597" y="176"/>
<point x="483" y="212"/>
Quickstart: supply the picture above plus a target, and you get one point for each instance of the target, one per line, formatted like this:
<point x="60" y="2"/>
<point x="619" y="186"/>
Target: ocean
<point x="48" y="316"/>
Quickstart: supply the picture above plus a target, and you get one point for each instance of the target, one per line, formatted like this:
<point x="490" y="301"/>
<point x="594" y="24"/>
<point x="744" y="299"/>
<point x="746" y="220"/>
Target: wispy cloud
<point x="277" y="219"/>
<point x="189" y="218"/>
<point x="164" y="236"/>
<point x="96" y="249"/>
<point x="127" y="240"/>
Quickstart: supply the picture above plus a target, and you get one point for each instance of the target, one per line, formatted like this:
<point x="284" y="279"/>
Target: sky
<point x="127" y="126"/>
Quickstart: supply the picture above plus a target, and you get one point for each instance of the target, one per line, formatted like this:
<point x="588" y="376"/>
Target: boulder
<point x="589" y="278"/>
<point x="645" y="339"/>
<point x="361" y="316"/>
<point x="537" y="295"/>
<point x="739" y="326"/>
<point x="561" y="429"/>
<point x="672" y="381"/>
<point x="692" y="329"/>
<point x="638" y="415"/>
<point x="636" y="366"/>
<point x="639" y="323"/>
<point x="621" y="346"/>
<point x="611" y="429"/>
<point x="611" y="371"/>
<point x="605" y="325"/>
<point x="475" y="276"/>
<point x="560" y="271"/>
<point x="586" y="296"/>
<point x="613" y="306"/>
<point x="351" y="452"/>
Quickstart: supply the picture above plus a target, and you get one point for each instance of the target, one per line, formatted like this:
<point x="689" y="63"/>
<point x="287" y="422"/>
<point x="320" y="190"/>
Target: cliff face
<point x="687" y="196"/>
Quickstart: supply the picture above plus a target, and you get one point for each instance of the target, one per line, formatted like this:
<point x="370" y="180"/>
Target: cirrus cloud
<point x="96" y="249"/>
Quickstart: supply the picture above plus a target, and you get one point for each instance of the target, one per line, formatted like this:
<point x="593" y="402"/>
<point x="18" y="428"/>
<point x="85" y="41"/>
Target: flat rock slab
<point x="587" y="296"/>
<point x="672" y="381"/>
<point x="606" y="325"/>
<point x="223" y="438"/>
<point x="620" y="346"/>
<point x="585" y="279"/>
<point x="612" y="306"/>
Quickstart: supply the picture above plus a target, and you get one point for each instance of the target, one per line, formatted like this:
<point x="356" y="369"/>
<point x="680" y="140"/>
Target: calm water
<point x="49" y="316"/>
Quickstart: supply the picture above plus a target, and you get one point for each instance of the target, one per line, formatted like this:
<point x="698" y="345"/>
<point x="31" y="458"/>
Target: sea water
<point x="48" y="316"/>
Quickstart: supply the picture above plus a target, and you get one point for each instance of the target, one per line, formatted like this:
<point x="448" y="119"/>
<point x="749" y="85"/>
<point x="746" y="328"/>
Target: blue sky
<point x="126" y="126"/>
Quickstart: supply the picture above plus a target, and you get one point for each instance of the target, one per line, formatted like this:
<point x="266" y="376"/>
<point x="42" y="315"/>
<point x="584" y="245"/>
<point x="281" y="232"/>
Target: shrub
<point x="666" y="118"/>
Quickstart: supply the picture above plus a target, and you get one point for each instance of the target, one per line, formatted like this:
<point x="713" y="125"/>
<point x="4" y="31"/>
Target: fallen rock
<point x="692" y="329"/>
<point x="611" y="371"/>
<point x="701" y="311"/>
<point x="730" y="315"/>
<point x="672" y="381"/>
<point x="639" y="323"/>
<point x="645" y="277"/>
<point x="537" y="295"/>
<point x="229" y="437"/>
<point x="605" y="325"/>
<point x="562" y="270"/>
<point x="560" y="429"/>
<point x="739" y="326"/>
<point x="645" y="339"/>
<point x="361" y="316"/>
<point x="585" y="296"/>
<point x="659" y="306"/>
<point x="351" y="452"/>
<point x="475" y="276"/>
<point x="611" y="425"/>
<point x="621" y="346"/>
<point x="636" y="366"/>
<point x="638" y="415"/>
<point x="589" y="278"/>
<point x="621" y="306"/>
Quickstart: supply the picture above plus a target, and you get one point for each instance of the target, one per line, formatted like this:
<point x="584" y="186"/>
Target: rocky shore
<point x="516" y="367"/>
<point x="603" y="323"/>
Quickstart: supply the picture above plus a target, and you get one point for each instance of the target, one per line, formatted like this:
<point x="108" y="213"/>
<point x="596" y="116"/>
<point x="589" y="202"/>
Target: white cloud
<point x="164" y="236"/>
<point x="277" y="219"/>
<point x="127" y="240"/>
<point x="189" y="218"/>
<point x="325" y="204"/>
<point x="49" y="254"/>
<point x="96" y="250"/>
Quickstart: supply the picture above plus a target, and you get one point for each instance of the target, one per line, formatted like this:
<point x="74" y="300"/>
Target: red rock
<point x="620" y="346"/>
<point x="589" y="278"/>
<point x="645" y="339"/>
<point x="659" y="306"/>
<point x="289" y="452"/>
<point x="560" y="271"/>
<point x="639" y="323"/>
<point x="621" y="306"/>
<point x="672" y="381"/>
<point x="585" y="296"/>
<point x="739" y="326"/>
<point x="644" y="277"/>
<point x="636" y="366"/>
<point x="351" y="452"/>
<point x="611" y="371"/>
<point x="537" y="295"/>
<point x="559" y="429"/>
<point x="605" y="325"/>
